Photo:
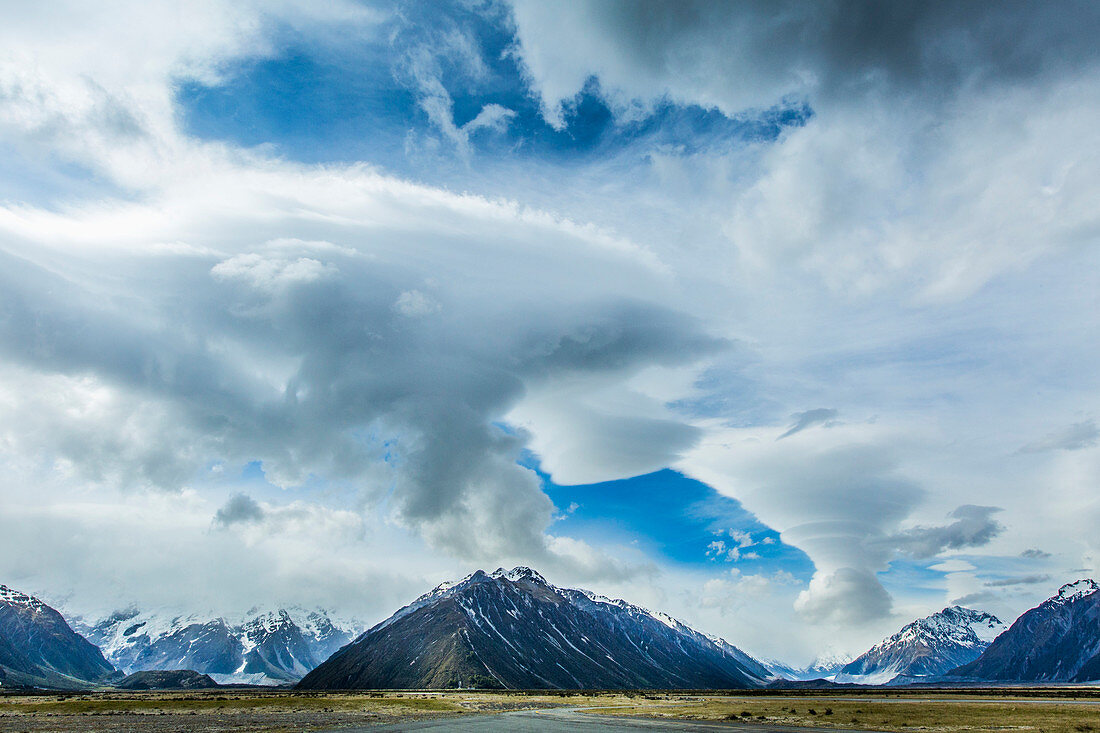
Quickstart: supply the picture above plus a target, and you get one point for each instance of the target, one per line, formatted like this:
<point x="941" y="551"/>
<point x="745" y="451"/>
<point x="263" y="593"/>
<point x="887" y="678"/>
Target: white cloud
<point x="413" y="303"/>
<point x="271" y="275"/>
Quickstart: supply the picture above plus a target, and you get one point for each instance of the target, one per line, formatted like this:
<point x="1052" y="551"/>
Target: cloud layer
<point x="285" y="365"/>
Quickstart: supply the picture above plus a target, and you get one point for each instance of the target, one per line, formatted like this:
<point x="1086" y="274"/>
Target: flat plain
<point x="1044" y="710"/>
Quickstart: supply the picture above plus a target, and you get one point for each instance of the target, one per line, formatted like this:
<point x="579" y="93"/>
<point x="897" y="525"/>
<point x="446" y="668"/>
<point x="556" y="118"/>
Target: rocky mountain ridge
<point x="1057" y="641"/>
<point x="38" y="648"/>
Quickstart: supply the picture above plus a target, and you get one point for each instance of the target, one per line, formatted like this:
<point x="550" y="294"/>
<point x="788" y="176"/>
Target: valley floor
<point x="1040" y="710"/>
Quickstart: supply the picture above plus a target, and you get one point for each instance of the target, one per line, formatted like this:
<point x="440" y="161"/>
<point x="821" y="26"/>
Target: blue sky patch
<point x="673" y="517"/>
<point x="374" y="101"/>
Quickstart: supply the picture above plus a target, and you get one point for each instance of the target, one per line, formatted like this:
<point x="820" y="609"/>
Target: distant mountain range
<point x="272" y="647"/>
<point x="927" y="647"/>
<point x="39" y="649"/>
<point x="824" y="667"/>
<point x="1057" y="641"/>
<point x="513" y="629"/>
<point x="174" y="679"/>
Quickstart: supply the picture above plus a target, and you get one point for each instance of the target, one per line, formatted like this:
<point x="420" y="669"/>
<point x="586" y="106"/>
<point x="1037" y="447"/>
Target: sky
<point x="780" y="317"/>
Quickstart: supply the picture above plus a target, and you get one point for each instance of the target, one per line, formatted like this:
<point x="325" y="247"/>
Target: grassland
<point x="268" y="711"/>
<point x="217" y="710"/>
<point x="1025" y="710"/>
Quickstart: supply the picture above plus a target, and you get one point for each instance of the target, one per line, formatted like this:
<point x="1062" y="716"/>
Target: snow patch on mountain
<point x="1073" y="591"/>
<point x="18" y="598"/>
<point x="926" y="647"/>
<point x="823" y="667"/>
<point x="258" y="647"/>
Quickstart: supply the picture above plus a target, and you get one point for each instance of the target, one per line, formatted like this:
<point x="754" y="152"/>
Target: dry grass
<point x="268" y="711"/>
<point x="904" y="712"/>
<point x="255" y="711"/>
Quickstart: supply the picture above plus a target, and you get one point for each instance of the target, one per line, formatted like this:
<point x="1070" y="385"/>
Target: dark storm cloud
<point x="757" y="52"/>
<point x="974" y="526"/>
<point x="241" y="508"/>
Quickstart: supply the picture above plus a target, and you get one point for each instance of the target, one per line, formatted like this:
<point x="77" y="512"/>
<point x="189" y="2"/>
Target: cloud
<point x="289" y="329"/>
<point x="270" y="275"/>
<point x="837" y="498"/>
<point x="752" y="54"/>
<point x="847" y="204"/>
<point x="740" y="540"/>
<point x="436" y="60"/>
<point x="952" y="565"/>
<point x="845" y="597"/>
<point x="492" y="117"/>
<point x="899" y="181"/>
<point x="1035" y="554"/>
<point x="808" y="419"/>
<point x="239" y="508"/>
<point x="974" y="526"/>
<point x="976" y="598"/>
<point x="1018" y="580"/>
<point x="1077" y="436"/>
<point x="414" y="304"/>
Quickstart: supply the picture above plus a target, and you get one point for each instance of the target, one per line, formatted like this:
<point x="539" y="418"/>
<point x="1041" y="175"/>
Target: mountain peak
<point x="18" y="598"/>
<point x="829" y="660"/>
<point x="520" y="572"/>
<point x="1075" y="590"/>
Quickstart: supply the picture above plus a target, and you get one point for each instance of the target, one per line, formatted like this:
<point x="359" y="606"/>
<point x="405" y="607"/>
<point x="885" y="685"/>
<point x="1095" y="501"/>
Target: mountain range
<point x="925" y="648"/>
<point x="270" y="647"/>
<point x="513" y="629"/>
<point x="823" y="667"/>
<point x="1057" y="641"/>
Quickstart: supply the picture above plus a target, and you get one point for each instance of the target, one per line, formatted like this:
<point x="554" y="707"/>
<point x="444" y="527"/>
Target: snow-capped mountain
<point x="824" y="667"/>
<point x="269" y="647"/>
<point x="927" y="647"/>
<point x="38" y="648"/>
<point x="513" y="629"/>
<point x="1057" y="641"/>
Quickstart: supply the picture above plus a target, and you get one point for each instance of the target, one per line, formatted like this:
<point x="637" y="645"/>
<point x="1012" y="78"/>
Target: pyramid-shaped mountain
<point x="514" y="630"/>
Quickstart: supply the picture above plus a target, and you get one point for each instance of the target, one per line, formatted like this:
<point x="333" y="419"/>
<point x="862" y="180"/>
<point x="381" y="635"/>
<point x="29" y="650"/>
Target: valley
<point x="1050" y="710"/>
